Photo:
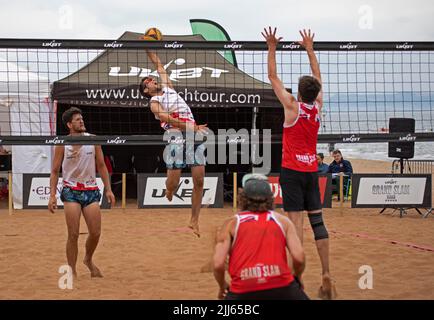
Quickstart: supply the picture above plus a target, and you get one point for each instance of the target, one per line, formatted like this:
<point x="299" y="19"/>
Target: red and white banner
<point x="325" y="189"/>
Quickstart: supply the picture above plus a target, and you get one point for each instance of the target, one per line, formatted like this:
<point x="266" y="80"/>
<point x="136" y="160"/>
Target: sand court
<point x="150" y="254"/>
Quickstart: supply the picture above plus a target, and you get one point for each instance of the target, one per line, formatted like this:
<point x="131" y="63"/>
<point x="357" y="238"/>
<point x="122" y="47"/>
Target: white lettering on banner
<point x="404" y="46"/>
<point x="39" y="193"/>
<point x="292" y="45"/>
<point x="276" y="189"/>
<point x="233" y="45"/>
<point x="352" y="138"/>
<point x="117" y="140"/>
<point x="408" y="137"/>
<point x="155" y="191"/>
<point x="54" y="141"/>
<point x="348" y="46"/>
<point x="188" y="73"/>
<point x="388" y="191"/>
<point x="113" y="44"/>
<point x="173" y="45"/>
<point x="52" y="44"/>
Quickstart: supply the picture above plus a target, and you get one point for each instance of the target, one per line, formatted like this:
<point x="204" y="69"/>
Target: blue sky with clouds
<point x="355" y="20"/>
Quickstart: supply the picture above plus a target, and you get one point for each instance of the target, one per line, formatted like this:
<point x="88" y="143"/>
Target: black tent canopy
<point x="204" y="77"/>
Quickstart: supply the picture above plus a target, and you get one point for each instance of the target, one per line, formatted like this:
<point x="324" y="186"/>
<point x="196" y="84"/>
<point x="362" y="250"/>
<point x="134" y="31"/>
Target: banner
<point x="151" y="191"/>
<point x="212" y="31"/>
<point x="391" y="191"/>
<point x="36" y="192"/>
<point x="325" y="189"/>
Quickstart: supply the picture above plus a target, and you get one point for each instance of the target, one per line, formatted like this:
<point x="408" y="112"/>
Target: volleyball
<point x="153" y="34"/>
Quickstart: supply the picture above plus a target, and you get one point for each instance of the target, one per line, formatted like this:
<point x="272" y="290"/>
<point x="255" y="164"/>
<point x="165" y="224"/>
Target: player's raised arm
<point x="165" y="80"/>
<point x="286" y="99"/>
<point x="307" y="43"/>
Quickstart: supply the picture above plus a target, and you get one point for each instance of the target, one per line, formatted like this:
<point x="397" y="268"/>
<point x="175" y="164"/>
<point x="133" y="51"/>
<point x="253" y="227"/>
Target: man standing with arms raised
<point x="299" y="177"/>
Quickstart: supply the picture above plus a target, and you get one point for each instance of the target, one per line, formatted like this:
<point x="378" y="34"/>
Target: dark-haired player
<point x="299" y="177"/>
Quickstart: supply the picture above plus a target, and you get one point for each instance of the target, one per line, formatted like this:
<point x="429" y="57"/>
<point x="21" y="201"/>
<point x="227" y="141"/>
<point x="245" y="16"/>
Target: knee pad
<point x="318" y="227"/>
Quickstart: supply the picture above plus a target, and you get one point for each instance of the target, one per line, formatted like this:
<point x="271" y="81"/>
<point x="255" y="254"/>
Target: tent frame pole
<point x="10" y="202"/>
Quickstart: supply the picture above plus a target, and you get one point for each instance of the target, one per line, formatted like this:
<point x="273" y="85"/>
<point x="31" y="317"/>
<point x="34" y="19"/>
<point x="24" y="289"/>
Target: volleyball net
<point x="364" y="84"/>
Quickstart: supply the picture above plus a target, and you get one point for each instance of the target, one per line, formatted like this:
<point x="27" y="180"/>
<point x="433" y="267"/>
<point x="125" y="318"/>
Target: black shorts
<point x="293" y="291"/>
<point x="300" y="190"/>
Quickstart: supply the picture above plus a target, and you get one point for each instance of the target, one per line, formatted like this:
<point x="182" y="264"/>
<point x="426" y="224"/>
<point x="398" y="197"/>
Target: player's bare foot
<point x="195" y="228"/>
<point x="327" y="291"/>
<point x="94" y="271"/>
<point x="169" y="195"/>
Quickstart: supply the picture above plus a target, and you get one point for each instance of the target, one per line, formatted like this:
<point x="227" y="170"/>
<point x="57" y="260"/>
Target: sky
<point x="332" y="20"/>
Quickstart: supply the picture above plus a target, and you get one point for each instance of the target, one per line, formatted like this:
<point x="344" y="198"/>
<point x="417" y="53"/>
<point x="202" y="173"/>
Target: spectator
<point x="322" y="167"/>
<point x="337" y="166"/>
<point x="3" y="151"/>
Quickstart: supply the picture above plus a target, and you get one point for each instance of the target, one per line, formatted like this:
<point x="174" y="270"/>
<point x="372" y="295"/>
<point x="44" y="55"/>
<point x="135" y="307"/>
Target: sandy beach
<point x="150" y="254"/>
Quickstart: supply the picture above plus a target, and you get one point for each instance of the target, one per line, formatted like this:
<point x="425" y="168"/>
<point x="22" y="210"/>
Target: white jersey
<point x="176" y="107"/>
<point x="78" y="167"/>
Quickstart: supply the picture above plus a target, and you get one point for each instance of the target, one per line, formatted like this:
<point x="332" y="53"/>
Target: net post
<point x="124" y="190"/>
<point x="10" y="203"/>
<point x="341" y="188"/>
<point x="235" y="192"/>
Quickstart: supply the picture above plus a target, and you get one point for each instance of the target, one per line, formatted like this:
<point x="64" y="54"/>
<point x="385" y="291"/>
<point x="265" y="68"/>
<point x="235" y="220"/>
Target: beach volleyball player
<point x="175" y="116"/>
<point x="80" y="193"/>
<point x="256" y="241"/>
<point x="299" y="177"/>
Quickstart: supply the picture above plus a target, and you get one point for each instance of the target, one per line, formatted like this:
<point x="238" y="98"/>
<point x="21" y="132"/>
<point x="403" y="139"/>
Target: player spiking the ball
<point x="175" y="116"/>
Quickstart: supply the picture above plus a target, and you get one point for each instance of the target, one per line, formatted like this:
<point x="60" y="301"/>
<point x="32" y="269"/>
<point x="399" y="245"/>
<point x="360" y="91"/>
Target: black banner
<point x="138" y="140"/>
<point x="119" y="95"/>
<point x="214" y="45"/>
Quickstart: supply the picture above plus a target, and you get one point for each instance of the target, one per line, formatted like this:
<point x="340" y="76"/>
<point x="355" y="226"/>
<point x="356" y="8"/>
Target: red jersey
<point x="258" y="258"/>
<point x="300" y="139"/>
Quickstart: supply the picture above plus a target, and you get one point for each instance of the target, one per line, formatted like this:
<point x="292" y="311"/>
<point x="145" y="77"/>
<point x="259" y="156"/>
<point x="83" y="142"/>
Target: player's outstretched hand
<point x="307" y="41"/>
<point x="270" y="37"/>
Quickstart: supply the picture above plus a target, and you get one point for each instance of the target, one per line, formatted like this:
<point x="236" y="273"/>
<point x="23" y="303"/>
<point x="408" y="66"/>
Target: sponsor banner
<point x="213" y="45"/>
<point x="36" y="191"/>
<point x="325" y="189"/>
<point x="151" y="191"/>
<point x="391" y="191"/>
<point x="128" y="95"/>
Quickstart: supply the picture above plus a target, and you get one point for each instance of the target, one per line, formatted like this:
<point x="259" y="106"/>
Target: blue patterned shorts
<point x="180" y="156"/>
<point x="83" y="197"/>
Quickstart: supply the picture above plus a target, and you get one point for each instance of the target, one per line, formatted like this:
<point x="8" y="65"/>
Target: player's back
<point x="258" y="259"/>
<point x="300" y="139"/>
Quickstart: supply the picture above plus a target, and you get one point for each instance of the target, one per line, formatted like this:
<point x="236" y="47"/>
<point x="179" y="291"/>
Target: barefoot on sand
<point x="94" y="271"/>
<point x="328" y="290"/>
<point x="195" y="228"/>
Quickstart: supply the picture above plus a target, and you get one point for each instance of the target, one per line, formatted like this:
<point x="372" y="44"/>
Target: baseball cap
<point x="256" y="186"/>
